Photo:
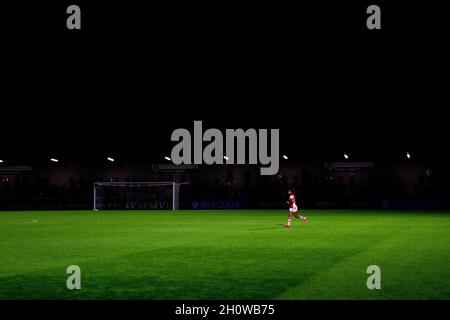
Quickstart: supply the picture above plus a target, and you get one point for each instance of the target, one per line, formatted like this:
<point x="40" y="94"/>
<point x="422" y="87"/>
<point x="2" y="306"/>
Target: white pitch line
<point x="27" y="221"/>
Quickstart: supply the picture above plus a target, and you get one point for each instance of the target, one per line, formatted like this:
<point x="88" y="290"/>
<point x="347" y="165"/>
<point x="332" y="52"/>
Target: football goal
<point x="137" y="195"/>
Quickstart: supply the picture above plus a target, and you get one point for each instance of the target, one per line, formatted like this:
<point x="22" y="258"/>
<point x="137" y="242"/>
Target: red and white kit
<point x="293" y="210"/>
<point x="292" y="204"/>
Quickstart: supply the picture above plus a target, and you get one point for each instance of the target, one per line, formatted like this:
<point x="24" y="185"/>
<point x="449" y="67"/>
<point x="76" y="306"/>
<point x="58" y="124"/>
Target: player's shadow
<point x="269" y="228"/>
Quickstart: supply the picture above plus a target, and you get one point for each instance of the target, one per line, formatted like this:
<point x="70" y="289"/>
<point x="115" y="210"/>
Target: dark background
<point x="136" y="71"/>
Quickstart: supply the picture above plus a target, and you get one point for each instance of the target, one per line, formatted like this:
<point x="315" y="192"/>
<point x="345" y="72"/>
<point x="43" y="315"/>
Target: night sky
<point x="311" y="71"/>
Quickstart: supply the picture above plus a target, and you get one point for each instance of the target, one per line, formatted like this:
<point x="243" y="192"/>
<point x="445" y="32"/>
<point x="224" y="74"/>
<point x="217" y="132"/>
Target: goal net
<point x="136" y="195"/>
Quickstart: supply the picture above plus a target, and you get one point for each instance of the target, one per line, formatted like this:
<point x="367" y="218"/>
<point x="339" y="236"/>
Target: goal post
<point x="137" y="195"/>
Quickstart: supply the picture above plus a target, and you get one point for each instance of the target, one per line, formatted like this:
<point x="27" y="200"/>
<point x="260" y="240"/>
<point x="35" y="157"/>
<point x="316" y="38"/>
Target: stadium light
<point x="1" y="161"/>
<point x="225" y="157"/>
<point x="285" y="157"/>
<point x="110" y="159"/>
<point x="408" y="155"/>
<point x="54" y="160"/>
<point x="345" y="156"/>
<point x="167" y="158"/>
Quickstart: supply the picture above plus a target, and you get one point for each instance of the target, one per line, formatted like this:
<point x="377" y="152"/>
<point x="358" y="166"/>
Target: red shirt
<point x="292" y="201"/>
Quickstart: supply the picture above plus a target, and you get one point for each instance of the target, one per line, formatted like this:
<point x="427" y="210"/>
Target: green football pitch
<point x="224" y="255"/>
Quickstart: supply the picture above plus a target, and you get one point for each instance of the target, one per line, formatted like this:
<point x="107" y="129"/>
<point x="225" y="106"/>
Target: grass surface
<point x="224" y="255"/>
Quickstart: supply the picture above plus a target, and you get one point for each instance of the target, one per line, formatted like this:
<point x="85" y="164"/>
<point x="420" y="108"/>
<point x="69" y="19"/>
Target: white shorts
<point x="293" y="209"/>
